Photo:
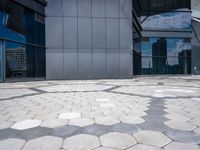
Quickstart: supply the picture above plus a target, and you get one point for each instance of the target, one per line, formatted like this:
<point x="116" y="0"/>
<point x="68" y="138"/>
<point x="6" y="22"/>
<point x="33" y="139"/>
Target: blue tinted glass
<point x="166" y="56"/>
<point x="179" y="19"/>
<point x="1" y="62"/>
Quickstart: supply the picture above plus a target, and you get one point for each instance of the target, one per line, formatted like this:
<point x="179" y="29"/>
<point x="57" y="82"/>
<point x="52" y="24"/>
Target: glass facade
<point x="23" y="33"/>
<point x="166" y="56"/>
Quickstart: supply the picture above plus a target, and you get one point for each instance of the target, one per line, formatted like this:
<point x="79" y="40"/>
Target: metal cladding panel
<point x="93" y="35"/>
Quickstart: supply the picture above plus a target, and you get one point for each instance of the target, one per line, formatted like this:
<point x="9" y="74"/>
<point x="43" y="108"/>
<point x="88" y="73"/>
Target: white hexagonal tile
<point x="106" y="120"/>
<point x="117" y="140"/>
<point x="44" y="143"/>
<point x="181" y="146"/>
<point x="81" y="142"/>
<point x="11" y="144"/>
<point x="54" y="123"/>
<point x="131" y="119"/>
<point x="144" y="147"/>
<point x="69" y="115"/>
<point x="81" y="122"/>
<point x="152" y="138"/>
<point x="195" y="121"/>
<point x="107" y="105"/>
<point x="180" y="125"/>
<point x="197" y="130"/>
<point x="26" y="124"/>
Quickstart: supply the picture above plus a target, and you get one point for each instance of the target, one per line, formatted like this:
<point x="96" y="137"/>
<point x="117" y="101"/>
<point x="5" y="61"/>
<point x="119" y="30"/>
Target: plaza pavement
<point x="145" y="113"/>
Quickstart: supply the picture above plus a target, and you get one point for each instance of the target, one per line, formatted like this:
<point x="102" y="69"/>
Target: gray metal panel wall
<point x="90" y="39"/>
<point x="196" y="48"/>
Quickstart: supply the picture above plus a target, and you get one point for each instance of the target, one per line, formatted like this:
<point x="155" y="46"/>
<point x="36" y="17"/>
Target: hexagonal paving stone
<point x="177" y="117"/>
<point x="180" y="125"/>
<point x="195" y="121"/>
<point x="106" y="120"/>
<point x="11" y="144"/>
<point x="4" y="124"/>
<point x="69" y="115"/>
<point x="107" y="105"/>
<point x="144" y="147"/>
<point x="131" y="119"/>
<point x="81" y="122"/>
<point x="97" y="129"/>
<point x="117" y="140"/>
<point x="44" y="143"/>
<point x="152" y="138"/>
<point x="197" y="130"/>
<point x="181" y="146"/>
<point x="26" y="124"/>
<point x="54" y="123"/>
<point x="102" y="100"/>
<point x="104" y="148"/>
<point x="81" y="142"/>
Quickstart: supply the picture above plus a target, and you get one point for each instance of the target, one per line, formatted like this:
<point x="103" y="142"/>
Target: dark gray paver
<point x="97" y="129"/>
<point x="126" y="128"/>
<point x="66" y="131"/>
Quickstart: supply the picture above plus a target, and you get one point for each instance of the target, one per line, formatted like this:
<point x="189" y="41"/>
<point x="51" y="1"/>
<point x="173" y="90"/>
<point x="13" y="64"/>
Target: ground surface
<point x="147" y="113"/>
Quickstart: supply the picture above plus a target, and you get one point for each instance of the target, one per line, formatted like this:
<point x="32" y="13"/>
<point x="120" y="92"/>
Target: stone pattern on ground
<point x="153" y="113"/>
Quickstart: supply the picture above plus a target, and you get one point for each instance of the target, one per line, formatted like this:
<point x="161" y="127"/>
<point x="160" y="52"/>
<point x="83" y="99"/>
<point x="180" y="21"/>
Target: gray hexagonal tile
<point x="152" y="138"/>
<point x="54" y="123"/>
<point x="11" y="144"/>
<point x="44" y="143"/>
<point x="181" y="146"/>
<point x="117" y="140"/>
<point x="81" y="142"/>
<point x="180" y="125"/>
<point x="144" y="147"/>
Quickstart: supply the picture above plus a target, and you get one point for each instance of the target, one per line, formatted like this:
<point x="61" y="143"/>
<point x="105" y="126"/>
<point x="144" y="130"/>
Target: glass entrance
<point x="1" y="62"/>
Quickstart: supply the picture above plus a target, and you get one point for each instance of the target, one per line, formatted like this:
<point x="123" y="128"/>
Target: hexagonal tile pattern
<point x="81" y="142"/>
<point x="104" y="148"/>
<point x="107" y="105"/>
<point x="131" y="119"/>
<point x="180" y="125"/>
<point x="181" y="146"/>
<point x="177" y="117"/>
<point x="44" y="143"/>
<point x="54" y="123"/>
<point x="81" y="122"/>
<point x="106" y="120"/>
<point x="5" y="124"/>
<point x="144" y="147"/>
<point x="97" y="130"/>
<point x="102" y="100"/>
<point x="11" y="144"/>
<point x="117" y="140"/>
<point x="152" y="138"/>
<point x="69" y="115"/>
<point x="195" y="121"/>
<point x="197" y="130"/>
<point x="26" y="124"/>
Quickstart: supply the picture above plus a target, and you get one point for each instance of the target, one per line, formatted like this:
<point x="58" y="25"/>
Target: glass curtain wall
<point x="166" y="56"/>
<point x="1" y="61"/>
<point x="23" y="32"/>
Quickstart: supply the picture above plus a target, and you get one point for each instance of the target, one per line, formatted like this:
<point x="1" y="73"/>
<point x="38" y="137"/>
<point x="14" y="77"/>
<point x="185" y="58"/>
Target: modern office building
<point x="96" y="39"/>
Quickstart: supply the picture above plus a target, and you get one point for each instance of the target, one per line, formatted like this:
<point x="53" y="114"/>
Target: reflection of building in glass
<point x="159" y="55"/>
<point x="184" y="59"/>
<point x="16" y="61"/>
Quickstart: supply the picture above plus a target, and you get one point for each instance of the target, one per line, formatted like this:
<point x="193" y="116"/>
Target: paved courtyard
<point x="146" y="113"/>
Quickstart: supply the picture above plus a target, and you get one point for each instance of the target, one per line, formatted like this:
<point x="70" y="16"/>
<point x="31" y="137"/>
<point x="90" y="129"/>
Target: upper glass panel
<point x="21" y="24"/>
<point x="179" y="19"/>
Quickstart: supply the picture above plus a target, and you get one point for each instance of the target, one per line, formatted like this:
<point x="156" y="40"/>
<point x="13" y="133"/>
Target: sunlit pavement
<point x="146" y="113"/>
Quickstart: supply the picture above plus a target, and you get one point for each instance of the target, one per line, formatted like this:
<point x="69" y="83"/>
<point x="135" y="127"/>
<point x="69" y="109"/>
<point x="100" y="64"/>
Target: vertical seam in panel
<point x="63" y="38"/>
<point x="106" y="73"/>
<point x="119" y="37"/>
<point x="77" y="41"/>
<point x="91" y="75"/>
